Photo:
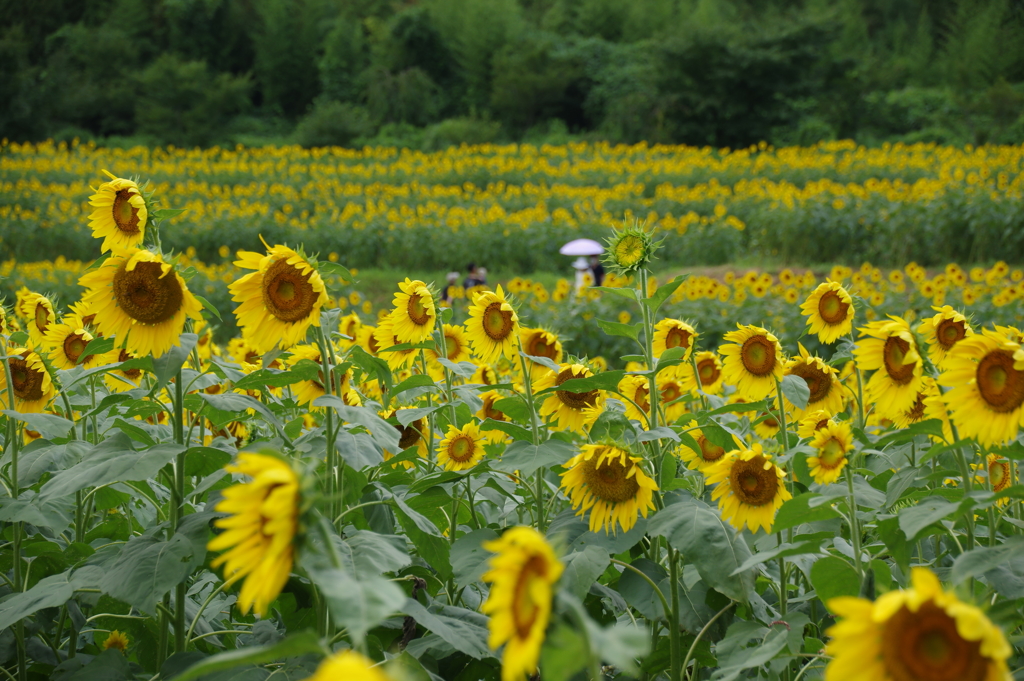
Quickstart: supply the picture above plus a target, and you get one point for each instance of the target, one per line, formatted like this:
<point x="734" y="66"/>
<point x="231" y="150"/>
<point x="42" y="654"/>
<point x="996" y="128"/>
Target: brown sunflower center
<point x="492" y="413"/>
<point x="677" y="338"/>
<point x="1000" y="385"/>
<point x="577" y="401"/>
<point x="708" y="371"/>
<point x="409" y="435"/>
<point x="74" y="346"/>
<point x="524" y="609"/>
<point x="418" y="312"/>
<point x="926" y="646"/>
<point x="916" y="412"/>
<point x="751" y="483"/>
<point x="540" y="347"/>
<point x="130" y="374"/>
<point x="42" y="317"/>
<point x="769" y="421"/>
<point x="640" y="397"/>
<point x="758" y="355"/>
<point x="894" y="355"/>
<point x="287" y="293"/>
<point x="497" y="323"/>
<point x="608" y="481"/>
<point x="452" y="346"/>
<point x="818" y="382"/>
<point x="832" y="308"/>
<point x="461" y="449"/>
<point x="831" y="454"/>
<point x="948" y="332"/>
<point x="670" y="392"/>
<point x="146" y="296"/>
<point x="28" y="381"/>
<point x="709" y="451"/>
<point x="999" y="475"/>
<point x="126" y="216"/>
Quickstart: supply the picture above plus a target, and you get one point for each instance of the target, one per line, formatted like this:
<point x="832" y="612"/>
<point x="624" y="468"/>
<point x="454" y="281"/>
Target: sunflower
<point x="485" y="374"/>
<point x="918" y="411"/>
<point x="348" y="665"/>
<point x="812" y="422"/>
<point x="489" y="411"/>
<point x="409" y="435"/>
<point x="279" y="300"/>
<point x="141" y="300"/>
<point x="5" y="329"/>
<point x="414" y="314"/>
<point x="456" y="347"/>
<point x="918" y="634"/>
<point x="833" y="442"/>
<point x="349" y="325"/>
<point x="37" y="310"/>
<point x="672" y="333"/>
<point x="540" y="343"/>
<point x="608" y="482"/>
<point x="826" y="392"/>
<point x="522" y="576"/>
<point x="260" y="530"/>
<point x="493" y="326"/>
<point x="888" y="348"/>
<point x="829" y="311"/>
<point x="307" y="391"/>
<point x="709" y="370"/>
<point x="120" y="216"/>
<point x="749" y="488"/>
<point x="986" y="375"/>
<point x="672" y="387"/>
<point x="630" y="248"/>
<point x="637" y="389"/>
<point x="767" y="425"/>
<point x="33" y="388"/>
<point x="462" y="448"/>
<point x="385" y="338"/>
<point x="753" y="361"/>
<point x="121" y="380"/>
<point x="709" y="454"/>
<point x="117" y="641"/>
<point x="572" y="411"/>
<point x="999" y="475"/>
<point x="65" y="343"/>
<point x="943" y="331"/>
<point x="367" y="339"/>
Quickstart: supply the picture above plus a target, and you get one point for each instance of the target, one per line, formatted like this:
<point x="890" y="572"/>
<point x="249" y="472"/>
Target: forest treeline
<point x="426" y="74"/>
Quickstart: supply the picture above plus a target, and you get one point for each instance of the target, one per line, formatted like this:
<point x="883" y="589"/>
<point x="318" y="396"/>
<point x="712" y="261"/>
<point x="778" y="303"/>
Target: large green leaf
<point x="978" y="561"/>
<point x="832" y="576"/>
<point x="166" y="365"/>
<point x="297" y="644"/>
<point x="50" y="426"/>
<point x="466" y="633"/>
<point x="357" y="604"/>
<point x="527" y="458"/>
<point x="469" y="557"/>
<point x="114" y="460"/>
<point x="796" y="390"/>
<point x="715" y="548"/>
<point x="49" y="592"/>
<point x="385" y="434"/>
<point x="582" y="568"/>
<point x="146" y="568"/>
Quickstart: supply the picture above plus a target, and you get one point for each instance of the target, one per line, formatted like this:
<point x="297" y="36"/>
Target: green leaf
<point x="546" y="362"/>
<point x="582" y="568"/>
<point x="469" y="557"/>
<point x="638" y="592"/>
<point x="235" y="403"/>
<point x="432" y="547"/>
<point x="915" y="519"/>
<point x="333" y="269"/>
<point x="135" y="432"/>
<point x="466" y="633"/>
<point x="631" y="331"/>
<point x="463" y="369"/>
<point x="735" y="658"/>
<point x="49" y="592"/>
<point x="303" y="643"/>
<point x="798" y="511"/>
<point x="166" y="365"/>
<point x="796" y="390"/>
<point x="507" y="427"/>
<point x="209" y="306"/>
<point x="978" y="561"/>
<point x="97" y="346"/>
<point x="514" y="408"/>
<point x="526" y="458"/>
<point x="564" y="653"/>
<point x="385" y="434"/>
<point x="374" y="553"/>
<point x="606" y="380"/>
<point x="664" y="292"/>
<point x="623" y="292"/>
<point x="50" y="426"/>
<point x="782" y="551"/>
<point x="357" y="604"/>
<point x="113" y="460"/>
<point x="659" y="433"/>
<point x="166" y="213"/>
<point x="30" y="507"/>
<point x="146" y="569"/>
<point x="414" y="381"/>
<point x="832" y="577"/>
<point x="696" y="529"/>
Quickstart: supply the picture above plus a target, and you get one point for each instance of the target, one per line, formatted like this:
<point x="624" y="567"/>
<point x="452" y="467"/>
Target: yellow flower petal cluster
<point x="493" y="326"/>
<point x="749" y="488"/>
<point x="33" y="387"/>
<point x="121" y="215"/>
<point x="462" y="448"/>
<point x="414" y="315"/>
<point x="571" y="411"/>
<point x="753" y="361"/>
<point x="610" y="483"/>
<point x="829" y="312"/>
<point x="348" y="665"/>
<point x="833" y="443"/>
<point x="888" y="348"/>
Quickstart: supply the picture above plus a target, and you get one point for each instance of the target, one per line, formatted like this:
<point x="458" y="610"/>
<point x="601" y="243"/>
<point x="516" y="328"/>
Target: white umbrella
<point x="582" y="247"/>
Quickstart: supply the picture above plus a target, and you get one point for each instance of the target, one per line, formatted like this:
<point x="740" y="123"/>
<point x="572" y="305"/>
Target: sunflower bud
<point x="630" y="249"/>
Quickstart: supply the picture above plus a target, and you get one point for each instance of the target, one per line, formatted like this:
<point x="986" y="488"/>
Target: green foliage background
<point x="439" y="72"/>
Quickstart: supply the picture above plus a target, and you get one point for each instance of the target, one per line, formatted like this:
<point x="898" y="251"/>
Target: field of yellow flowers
<point x="516" y="204"/>
<point x="417" y="491"/>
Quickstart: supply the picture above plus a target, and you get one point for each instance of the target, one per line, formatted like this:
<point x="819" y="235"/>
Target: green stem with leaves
<point x="14" y="442"/>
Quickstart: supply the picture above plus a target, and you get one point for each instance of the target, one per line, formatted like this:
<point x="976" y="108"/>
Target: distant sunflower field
<point x="243" y="469"/>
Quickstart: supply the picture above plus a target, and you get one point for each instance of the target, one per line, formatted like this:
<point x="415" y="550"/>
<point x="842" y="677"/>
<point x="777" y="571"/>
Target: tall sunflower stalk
<point x="13" y="442"/>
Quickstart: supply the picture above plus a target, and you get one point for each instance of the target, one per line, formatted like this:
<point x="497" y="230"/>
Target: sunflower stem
<point x="431" y="418"/>
<point x="854" y="523"/>
<point x="178" y="507"/>
<point x="331" y="462"/>
<point x="675" y="647"/>
<point x="442" y="343"/>
<point x="860" y="389"/>
<point x="700" y="634"/>
<point x="539" y="482"/>
<point x="14" y="435"/>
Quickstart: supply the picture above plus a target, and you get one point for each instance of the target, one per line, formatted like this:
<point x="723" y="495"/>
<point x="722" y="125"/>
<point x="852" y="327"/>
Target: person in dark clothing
<point x="471" y="277"/>
<point x="597" y="269"/>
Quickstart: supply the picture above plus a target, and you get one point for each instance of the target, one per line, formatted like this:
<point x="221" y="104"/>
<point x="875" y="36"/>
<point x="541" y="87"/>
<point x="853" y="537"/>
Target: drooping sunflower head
<point x="829" y="311"/>
<point x="121" y="214"/>
<point x="749" y="488"/>
<point x="826" y="391"/>
<point x="413" y="434"/>
<point x="350" y="666"/>
<point x="986" y="375"/>
<point x="753" y="361"/>
<point x="456" y="346"/>
<point x="117" y="641"/>
<point x="571" y="410"/>
<point x="522" y="576"/>
<point x="630" y="248"/>
<point x="812" y="422"/>
<point x="767" y="424"/>
<point x="942" y="331"/>
<point x="889" y="348"/>
<point x="385" y="339"/>
<point x="462" y="448"/>
<point x="493" y="326"/>
<point x="414" y="314"/>
<point x="833" y="443"/>
<point x="637" y="391"/>
<point x="141" y="300"/>
<point x="280" y="299"/>
<point x="38" y="312"/>
<point x="259" y="532"/>
<point x="540" y="343"/>
<point x="707" y="453"/>
<point x="488" y="410"/>
<point x="999" y="475"/>
<point x="349" y="325"/>
<point x="673" y="333"/>
<point x="30" y="379"/>
<point x="609" y="482"/>
<point x="922" y="633"/>
<point x="485" y="374"/>
<point x="66" y="343"/>
<point x="709" y="371"/>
